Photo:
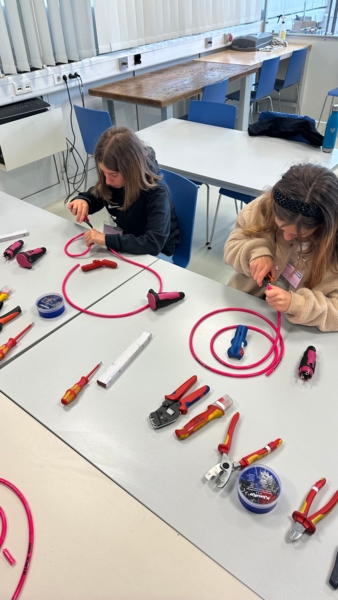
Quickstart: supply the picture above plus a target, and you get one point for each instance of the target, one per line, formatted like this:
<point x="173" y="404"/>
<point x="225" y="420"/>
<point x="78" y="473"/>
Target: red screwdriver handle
<point x="225" y="448"/>
<point x="71" y="394"/>
<point x="311" y="495"/>
<point x="250" y="458"/>
<point x="5" y="348"/>
<point x="177" y="394"/>
<point x="213" y="412"/>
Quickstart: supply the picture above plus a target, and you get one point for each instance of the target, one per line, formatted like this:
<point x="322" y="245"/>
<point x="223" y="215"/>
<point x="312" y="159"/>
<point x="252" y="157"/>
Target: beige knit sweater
<point x="317" y="307"/>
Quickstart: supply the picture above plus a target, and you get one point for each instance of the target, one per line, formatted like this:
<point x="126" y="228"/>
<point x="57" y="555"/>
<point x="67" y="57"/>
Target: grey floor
<point x="203" y="261"/>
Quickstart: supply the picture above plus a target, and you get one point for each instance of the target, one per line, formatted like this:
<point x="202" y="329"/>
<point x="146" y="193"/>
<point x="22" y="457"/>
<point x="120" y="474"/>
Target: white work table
<point x="47" y="274"/>
<point x="111" y="429"/>
<point x="90" y="535"/>
<point x="227" y="157"/>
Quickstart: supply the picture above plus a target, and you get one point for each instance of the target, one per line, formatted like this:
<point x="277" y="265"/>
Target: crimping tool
<point x="175" y="404"/>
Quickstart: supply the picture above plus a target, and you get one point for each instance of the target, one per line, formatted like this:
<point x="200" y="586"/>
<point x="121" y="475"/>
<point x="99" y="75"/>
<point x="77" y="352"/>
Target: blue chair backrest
<point x="267" y="77"/>
<point x="295" y="67"/>
<point x="212" y="113"/>
<point x="92" y="124"/>
<point x="184" y="194"/>
<point x="215" y="92"/>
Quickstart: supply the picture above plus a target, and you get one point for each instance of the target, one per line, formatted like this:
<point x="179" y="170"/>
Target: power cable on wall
<point x="73" y="182"/>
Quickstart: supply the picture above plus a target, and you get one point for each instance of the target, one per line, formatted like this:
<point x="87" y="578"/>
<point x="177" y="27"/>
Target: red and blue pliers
<point x="177" y="403"/>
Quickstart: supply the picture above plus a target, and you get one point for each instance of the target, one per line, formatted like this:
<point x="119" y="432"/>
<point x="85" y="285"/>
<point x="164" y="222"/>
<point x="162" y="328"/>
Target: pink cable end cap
<point x="269" y="287"/>
<point x="9" y="557"/>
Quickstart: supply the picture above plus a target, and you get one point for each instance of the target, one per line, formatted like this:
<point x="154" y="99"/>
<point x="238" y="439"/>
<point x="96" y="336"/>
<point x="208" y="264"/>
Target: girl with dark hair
<point x="131" y="188"/>
<point x="292" y="233"/>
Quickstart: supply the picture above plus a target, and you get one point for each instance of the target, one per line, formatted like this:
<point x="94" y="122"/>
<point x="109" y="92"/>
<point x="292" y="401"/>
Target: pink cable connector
<point x="30" y="535"/>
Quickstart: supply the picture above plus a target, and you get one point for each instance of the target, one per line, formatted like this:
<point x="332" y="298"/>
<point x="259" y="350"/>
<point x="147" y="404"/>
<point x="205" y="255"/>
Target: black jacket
<point x="149" y="225"/>
<point x="291" y="127"/>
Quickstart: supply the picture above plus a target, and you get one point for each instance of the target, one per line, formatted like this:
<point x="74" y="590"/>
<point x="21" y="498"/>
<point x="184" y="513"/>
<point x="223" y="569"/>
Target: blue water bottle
<point x="331" y="130"/>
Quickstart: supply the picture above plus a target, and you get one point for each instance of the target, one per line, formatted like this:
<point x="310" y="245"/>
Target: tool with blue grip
<point x="177" y="403"/>
<point x="238" y="343"/>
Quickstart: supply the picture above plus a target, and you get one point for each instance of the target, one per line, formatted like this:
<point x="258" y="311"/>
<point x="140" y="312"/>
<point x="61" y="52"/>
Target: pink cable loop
<point x="70" y="242"/>
<point x="277" y="347"/>
<point x="3" y="526"/>
<point x="30" y="536"/>
<point x="96" y="314"/>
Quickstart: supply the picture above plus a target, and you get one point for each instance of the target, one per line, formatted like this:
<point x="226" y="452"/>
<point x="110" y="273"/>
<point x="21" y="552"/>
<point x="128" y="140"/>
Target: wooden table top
<point x="171" y="84"/>
<point x="236" y="57"/>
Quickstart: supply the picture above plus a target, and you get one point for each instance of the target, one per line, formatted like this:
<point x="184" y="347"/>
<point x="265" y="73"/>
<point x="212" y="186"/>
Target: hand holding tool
<point x="268" y="278"/>
<point x="224" y="469"/>
<point x="238" y="343"/>
<point x="5" y="348"/>
<point x="96" y="264"/>
<point x="86" y="220"/>
<point x="12" y="250"/>
<point x="174" y="404"/>
<point x="305" y="522"/>
<point x="9" y="316"/>
<point x="307" y="365"/>
<point x="71" y="394"/>
<point x="161" y="299"/>
<point x="26" y="259"/>
<point x="214" y="411"/>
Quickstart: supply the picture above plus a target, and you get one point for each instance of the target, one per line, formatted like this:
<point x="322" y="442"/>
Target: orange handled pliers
<point x="224" y="469"/>
<point x="305" y="522"/>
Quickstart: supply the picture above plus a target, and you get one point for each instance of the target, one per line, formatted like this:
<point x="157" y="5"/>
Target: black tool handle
<point x="334" y="575"/>
<point x="9" y="316"/>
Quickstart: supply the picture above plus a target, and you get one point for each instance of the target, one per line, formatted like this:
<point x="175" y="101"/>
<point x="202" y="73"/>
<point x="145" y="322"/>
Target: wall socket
<point x="208" y="42"/>
<point x="58" y="80"/>
<point x="123" y="62"/>
<point x="24" y="87"/>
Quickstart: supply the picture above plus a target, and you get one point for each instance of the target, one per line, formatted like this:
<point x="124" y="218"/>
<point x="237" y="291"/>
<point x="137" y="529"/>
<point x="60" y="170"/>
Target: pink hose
<point x="70" y="242"/>
<point x="30" y="536"/>
<point x="96" y="314"/>
<point x="277" y="347"/>
<point x="3" y="526"/>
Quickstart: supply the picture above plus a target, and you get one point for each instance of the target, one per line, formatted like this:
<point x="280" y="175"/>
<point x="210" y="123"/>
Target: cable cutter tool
<point x="305" y="522"/>
<point x="177" y="403"/>
<point x="224" y="469"/>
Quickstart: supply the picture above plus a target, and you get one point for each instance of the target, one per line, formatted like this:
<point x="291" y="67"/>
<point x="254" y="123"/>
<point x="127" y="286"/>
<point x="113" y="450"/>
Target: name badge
<point x="292" y="275"/>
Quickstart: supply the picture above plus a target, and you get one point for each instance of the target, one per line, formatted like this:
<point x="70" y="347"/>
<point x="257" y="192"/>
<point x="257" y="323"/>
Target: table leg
<point x="167" y="112"/>
<point x="108" y="105"/>
<point x="244" y="103"/>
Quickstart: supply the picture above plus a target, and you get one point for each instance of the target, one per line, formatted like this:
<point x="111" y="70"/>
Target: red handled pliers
<point x="223" y="470"/>
<point x="305" y="522"/>
<point x="177" y="403"/>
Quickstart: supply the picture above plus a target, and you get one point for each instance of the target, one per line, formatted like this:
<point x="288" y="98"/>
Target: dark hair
<point x="315" y="185"/>
<point x="119" y="149"/>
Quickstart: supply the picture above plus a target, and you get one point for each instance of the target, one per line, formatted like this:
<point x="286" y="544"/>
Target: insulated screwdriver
<point x="9" y="316"/>
<point x="71" y="394"/>
<point x="4" y="293"/>
<point x="214" y="411"/>
<point x="5" y="348"/>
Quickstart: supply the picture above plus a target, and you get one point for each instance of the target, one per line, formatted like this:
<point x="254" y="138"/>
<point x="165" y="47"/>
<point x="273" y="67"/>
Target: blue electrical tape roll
<point x="259" y="488"/>
<point x="50" y="305"/>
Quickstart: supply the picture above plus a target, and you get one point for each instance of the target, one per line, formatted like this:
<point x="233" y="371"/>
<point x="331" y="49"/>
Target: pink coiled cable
<point x="91" y="312"/>
<point x="30" y="536"/>
<point x="277" y="347"/>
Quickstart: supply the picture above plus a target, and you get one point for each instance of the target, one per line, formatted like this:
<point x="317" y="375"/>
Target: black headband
<point x="296" y="206"/>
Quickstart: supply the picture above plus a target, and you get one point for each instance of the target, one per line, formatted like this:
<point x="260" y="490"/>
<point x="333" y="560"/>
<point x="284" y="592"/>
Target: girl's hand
<point x="259" y="267"/>
<point x="278" y="298"/>
<point x="95" y="237"/>
<point x="79" y="208"/>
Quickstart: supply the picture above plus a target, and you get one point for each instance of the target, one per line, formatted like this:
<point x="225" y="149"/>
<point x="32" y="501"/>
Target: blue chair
<point x="215" y="92"/>
<point x="334" y="94"/>
<point x="293" y="74"/>
<point x="211" y="113"/>
<point x="184" y="194"/>
<point x="92" y="124"/>
<point x="265" y="84"/>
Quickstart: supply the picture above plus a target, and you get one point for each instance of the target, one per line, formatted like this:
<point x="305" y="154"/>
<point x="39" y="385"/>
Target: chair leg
<point x="297" y="103"/>
<point x="271" y="105"/>
<point x="321" y="114"/>
<point x="236" y="206"/>
<point x="86" y="172"/>
<point x="279" y="101"/>
<point x="214" y="223"/>
<point x="207" y="218"/>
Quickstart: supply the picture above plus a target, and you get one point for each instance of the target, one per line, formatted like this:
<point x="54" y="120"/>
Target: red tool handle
<point x="96" y="264"/>
<point x="9" y="316"/>
<point x="213" y="412"/>
<point x="177" y="394"/>
<point x="72" y="392"/>
<point x="311" y="495"/>
<point x="5" y="348"/>
<point x="192" y="398"/>
<point x="309" y="523"/>
<point x="250" y="458"/>
<point x="224" y="448"/>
